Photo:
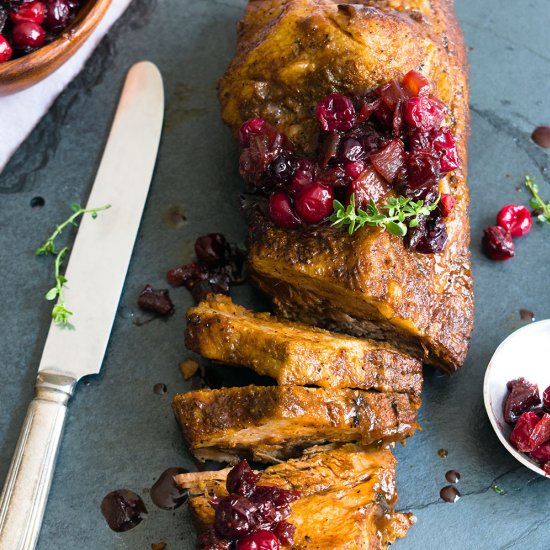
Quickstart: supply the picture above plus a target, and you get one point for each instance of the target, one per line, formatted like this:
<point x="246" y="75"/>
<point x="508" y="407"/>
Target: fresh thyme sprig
<point x="391" y="216"/>
<point x="60" y="313"/>
<point x="49" y="246"/>
<point x="536" y="202"/>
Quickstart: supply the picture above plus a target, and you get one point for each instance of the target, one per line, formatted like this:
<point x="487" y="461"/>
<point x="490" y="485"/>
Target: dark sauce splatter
<point x="449" y="494"/>
<point x="452" y="476"/>
<point x="541" y="136"/>
<point x="123" y="510"/>
<point x="443" y="453"/>
<point x="37" y="202"/>
<point x="165" y="493"/>
<point x="526" y="315"/>
<point x="160" y="388"/>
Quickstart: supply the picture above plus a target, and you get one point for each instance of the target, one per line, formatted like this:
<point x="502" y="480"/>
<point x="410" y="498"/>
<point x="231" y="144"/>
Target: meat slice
<point x="292" y="53"/>
<point x="347" y="499"/>
<point x="297" y="354"/>
<point x="270" y="423"/>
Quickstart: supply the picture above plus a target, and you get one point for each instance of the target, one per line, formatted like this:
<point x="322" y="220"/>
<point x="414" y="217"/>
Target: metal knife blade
<point x="103" y="247"/>
<point x="96" y="272"/>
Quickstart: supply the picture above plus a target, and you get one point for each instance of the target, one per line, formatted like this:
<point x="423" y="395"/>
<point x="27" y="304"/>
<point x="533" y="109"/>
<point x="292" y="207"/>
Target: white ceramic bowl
<point x="523" y="354"/>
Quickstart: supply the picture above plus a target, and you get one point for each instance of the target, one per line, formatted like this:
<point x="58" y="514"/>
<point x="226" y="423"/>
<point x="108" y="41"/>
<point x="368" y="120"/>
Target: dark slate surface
<point x="119" y="433"/>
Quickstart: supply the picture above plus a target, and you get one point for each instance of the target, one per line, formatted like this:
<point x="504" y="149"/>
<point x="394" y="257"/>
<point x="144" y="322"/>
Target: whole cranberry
<point x="27" y="36"/>
<point x="336" y="113"/>
<point x="415" y="83"/>
<point x="280" y="210"/>
<point x="443" y="142"/>
<point x="235" y="517"/>
<point x="29" y="11"/>
<point x="446" y="205"/>
<point x="424" y="112"/>
<point x="5" y="50"/>
<point x="516" y="219"/>
<point x="58" y="15"/>
<point x="520" y="437"/>
<point x="211" y="249"/>
<point x="314" y="202"/>
<point x="252" y="127"/>
<point x="497" y="243"/>
<point x="282" y="168"/>
<point x="262" y="540"/>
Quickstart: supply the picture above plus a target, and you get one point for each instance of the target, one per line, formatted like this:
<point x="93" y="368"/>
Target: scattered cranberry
<point x="446" y="205"/>
<point x="280" y="210"/>
<point x="520" y="437"/>
<point x="220" y="264"/>
<point x="336" y="113"/>
<point x="516" y="219"/>
<point x="416" y="83"/>
<point x="522" y="396"/>
<point x="29" y="11"/>
<point x="5" y="49"/>
<point x="252" y="127"/>
<point x="261" y="540"/>
<point x="28" y="36"/>
<point x="157" y="301"/>
<point x="497" y="243"/>
<point x="424" y="112"/>
<point x="314" y="203"/>
<point x="211" y="249"/>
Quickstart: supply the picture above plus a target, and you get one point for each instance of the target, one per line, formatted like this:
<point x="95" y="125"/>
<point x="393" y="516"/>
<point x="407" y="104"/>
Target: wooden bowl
<point x="20" y="73"/>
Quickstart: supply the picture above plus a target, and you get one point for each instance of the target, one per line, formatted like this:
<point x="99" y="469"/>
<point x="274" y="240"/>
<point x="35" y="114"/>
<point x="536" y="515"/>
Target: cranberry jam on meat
<point x="389" y="143"/>
<point x="252" y="516"/>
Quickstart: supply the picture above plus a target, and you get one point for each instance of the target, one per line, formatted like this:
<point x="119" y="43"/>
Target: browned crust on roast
<point x="347" y="499"/>
<point x="290" y="54"/>
<point x="277" y="422"/>
<point x="294" y="353"/>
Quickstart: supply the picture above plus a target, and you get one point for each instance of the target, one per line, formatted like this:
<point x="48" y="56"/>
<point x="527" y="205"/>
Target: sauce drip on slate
<point x="442" y="453"/>
<point x="160" y="388"/>
<point x="526" y="315"/>
<point x="452" y="476"/>
<point x="541" y="136"/>
<point x="123" y="510"/>
<point x="165" y="493"/>
<point x="449" y="494"/>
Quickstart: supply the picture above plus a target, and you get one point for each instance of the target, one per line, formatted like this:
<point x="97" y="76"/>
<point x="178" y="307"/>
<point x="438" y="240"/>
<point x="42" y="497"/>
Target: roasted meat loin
<point x="270" y="423"/>
<point x="292" y="53"/>
<point x="297" y="354"/>
<point x="347" y="499"/>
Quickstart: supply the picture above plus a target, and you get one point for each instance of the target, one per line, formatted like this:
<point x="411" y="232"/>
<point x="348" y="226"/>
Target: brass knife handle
<point x="25" y="494"/>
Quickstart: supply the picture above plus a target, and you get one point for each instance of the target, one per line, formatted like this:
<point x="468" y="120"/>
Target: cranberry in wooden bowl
<point x="38" y="36"/>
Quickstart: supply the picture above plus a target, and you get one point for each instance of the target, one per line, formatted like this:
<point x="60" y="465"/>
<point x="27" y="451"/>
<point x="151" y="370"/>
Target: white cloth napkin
<point x="19" y="113"/>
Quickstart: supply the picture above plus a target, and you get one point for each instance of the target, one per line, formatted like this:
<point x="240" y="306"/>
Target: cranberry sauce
<point x="390" y="141"/>
<point x="26" y="25"/>
<point x="123" y="510"/>
<point x="219" y="265"/>
<point x="530" y="417"/>
<point x="449" y="494"/>
<point x="165" y="493"/>
<point x="157" y="301"/>
<point x="541" y="136"/>
<point x="252" y="516"/>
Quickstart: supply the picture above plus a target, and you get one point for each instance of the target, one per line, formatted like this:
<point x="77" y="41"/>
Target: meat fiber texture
<point x="291" y="54"/>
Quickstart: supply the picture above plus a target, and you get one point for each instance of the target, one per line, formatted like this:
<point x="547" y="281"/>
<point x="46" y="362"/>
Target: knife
<point x="95" y="274"/>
